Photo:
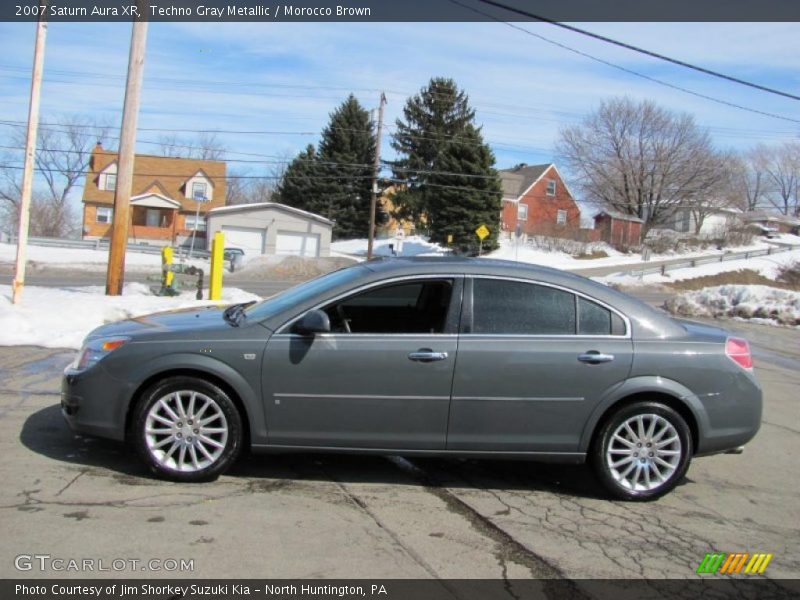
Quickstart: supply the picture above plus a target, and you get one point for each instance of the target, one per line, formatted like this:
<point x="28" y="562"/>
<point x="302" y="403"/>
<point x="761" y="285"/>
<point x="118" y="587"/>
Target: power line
<point x="641" y="50"/>
<point x="393" y="180"/>
<point x="625" y="69"/>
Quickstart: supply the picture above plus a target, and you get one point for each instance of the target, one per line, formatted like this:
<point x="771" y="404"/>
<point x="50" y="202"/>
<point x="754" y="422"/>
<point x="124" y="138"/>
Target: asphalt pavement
<point x="314" y="515"/>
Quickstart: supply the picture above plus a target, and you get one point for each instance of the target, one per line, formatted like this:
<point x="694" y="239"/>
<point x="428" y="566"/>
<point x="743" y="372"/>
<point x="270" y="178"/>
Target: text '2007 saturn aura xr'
<point x="443" y="356"/>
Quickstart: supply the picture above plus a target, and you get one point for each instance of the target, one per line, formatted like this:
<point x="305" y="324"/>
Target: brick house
<point x="536" y="198"/>
<point x="163" y="208"/>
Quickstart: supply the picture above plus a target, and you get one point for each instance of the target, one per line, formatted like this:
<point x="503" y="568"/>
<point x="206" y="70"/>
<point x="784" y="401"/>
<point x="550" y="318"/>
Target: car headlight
<point x="96" y="350"/>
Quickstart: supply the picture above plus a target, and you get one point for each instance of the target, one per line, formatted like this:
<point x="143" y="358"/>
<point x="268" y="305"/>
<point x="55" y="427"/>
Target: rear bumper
<point x="734" y="417"/>
<point x="91" y="403"/>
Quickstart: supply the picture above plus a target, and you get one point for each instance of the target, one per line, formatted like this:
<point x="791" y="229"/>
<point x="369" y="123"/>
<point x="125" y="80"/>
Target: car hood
<point x="207" y="317"/>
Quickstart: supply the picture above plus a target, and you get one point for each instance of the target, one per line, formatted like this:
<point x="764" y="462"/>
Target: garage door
<point x="249" y="240"/>
<point x="297" y="244"/>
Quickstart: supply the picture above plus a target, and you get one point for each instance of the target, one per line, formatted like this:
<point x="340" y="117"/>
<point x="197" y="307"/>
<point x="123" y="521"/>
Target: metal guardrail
<point x="703" y="260"/>
<point x="99" y="244"/>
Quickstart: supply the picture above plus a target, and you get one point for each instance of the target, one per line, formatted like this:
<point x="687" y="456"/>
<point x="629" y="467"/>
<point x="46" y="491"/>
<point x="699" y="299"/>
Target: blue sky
<point x="289" y="76"/>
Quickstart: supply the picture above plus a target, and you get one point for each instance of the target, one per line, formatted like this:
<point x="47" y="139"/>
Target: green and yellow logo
<point x="722" y="563"/>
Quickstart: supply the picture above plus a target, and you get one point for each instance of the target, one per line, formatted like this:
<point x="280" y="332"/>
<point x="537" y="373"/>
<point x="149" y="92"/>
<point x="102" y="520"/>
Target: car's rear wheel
<point x="187" y="429"/>
<point x="642" y="451"/>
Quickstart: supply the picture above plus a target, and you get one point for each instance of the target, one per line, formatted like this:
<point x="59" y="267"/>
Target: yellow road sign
<point x="482" y="232"/>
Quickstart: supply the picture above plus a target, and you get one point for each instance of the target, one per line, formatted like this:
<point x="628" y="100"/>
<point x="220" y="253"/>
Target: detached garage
<point x="271" y="228"/>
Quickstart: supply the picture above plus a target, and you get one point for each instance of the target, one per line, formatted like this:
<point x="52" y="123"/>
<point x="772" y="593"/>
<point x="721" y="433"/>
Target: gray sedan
<point x="445" y="357"/>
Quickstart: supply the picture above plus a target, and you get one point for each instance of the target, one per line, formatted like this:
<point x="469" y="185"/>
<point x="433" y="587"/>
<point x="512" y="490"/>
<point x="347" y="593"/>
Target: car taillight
<point x="739" y="351"/>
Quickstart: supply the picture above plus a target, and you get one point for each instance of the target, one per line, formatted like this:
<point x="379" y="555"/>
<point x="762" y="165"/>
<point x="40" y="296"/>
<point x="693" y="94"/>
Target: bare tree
<point x="62" y="159"/>
<point x="747" y="184"/>
<point x="781" y="167"/>
<point x="205" y="146"/>
<point x="641" y="159"/>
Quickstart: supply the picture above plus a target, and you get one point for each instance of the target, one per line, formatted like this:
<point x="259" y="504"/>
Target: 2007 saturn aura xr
<point x="447" y="357"/>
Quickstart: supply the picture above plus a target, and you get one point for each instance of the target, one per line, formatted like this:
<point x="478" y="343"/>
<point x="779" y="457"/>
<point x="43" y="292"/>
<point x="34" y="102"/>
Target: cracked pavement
<point x="310" y="516"/>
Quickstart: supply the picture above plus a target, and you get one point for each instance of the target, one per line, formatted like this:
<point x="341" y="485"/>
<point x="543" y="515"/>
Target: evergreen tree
<point x="345" y="158"/>
<point x="299" y="186"/>
<point x="465" y="194"/>
<point x="432" y="117"/>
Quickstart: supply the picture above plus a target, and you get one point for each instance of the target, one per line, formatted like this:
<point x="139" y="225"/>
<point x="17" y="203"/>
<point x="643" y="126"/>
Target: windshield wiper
<point x="235" y="313"/>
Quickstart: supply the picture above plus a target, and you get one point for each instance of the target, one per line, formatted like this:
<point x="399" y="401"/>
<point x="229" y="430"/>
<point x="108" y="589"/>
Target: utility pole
<point x="376" y="170"/>
<point x="30" y="151"/>
<point x="127" y="150"/>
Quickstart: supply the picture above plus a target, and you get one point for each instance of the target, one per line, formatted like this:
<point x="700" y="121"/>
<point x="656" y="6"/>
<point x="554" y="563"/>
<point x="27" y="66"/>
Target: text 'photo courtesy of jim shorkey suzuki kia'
<point x="451" y="357"/>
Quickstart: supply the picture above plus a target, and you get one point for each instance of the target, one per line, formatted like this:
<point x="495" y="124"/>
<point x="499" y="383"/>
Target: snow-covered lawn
<point x="85" y="259"/>
<point x="61" y="317"/>
<point x="768" y="266"/>
<point x="414" y="245"/>
<point x="759" y="303"/>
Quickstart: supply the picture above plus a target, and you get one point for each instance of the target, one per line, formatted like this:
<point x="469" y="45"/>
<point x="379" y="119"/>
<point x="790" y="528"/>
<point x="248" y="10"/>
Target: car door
<point x="533" y="362"/>
<point x="382" y="377"/>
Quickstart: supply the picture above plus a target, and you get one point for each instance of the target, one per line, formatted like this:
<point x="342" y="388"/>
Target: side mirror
<point x="314" y="321"/>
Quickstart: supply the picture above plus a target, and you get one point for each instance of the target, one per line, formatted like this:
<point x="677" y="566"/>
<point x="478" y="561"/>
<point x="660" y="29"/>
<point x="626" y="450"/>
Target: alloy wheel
<point x="644" y="452"/>
<point x="186" y="431"/>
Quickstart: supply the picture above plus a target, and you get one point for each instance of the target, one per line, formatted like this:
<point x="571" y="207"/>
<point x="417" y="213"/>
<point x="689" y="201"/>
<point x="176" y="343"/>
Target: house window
<point x="111" y="181"/>
<point x="104" y="214"/>
<point x="522" y="211"/>
<point x="551" y="187"/>
<point x="561" y="217"/>
<point x="198" y="190"/>
<point x="196" y="223"/>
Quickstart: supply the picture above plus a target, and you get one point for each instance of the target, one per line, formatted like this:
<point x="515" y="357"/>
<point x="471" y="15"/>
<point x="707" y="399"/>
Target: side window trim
<point x="467" y="320"/>
<point x="451" y="322"/>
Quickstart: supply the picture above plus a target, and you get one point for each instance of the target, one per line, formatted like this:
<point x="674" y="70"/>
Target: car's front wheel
<point x="187" y="429"/>
<point x="642" y="451"/>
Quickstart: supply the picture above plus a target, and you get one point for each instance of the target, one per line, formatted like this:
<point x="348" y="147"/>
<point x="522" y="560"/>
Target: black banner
<point x="709" y="588"/>
<point x="214" y="11"/>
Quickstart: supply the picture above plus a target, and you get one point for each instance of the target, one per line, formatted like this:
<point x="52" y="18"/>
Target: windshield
<point x="302" y="293"/>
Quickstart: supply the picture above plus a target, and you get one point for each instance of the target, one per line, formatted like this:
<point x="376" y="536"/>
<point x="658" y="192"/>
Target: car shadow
<point x="45" y="433"/>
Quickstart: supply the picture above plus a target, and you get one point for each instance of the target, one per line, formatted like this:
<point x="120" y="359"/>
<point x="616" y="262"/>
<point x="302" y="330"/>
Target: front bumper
<point x="92" y="403"/>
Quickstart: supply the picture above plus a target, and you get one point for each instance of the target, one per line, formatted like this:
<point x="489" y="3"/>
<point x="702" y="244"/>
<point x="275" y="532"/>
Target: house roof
<point x="615" y="214"/>
<point x="763" y="215"/>
<point x="267" y="205"/>
<point x="168" y="174"/>
<point x="516" y="181"/>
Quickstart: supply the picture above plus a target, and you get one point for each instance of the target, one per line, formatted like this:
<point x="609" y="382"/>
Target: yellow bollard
<point x="166" y="260"/>
<point x="215" y="280"/>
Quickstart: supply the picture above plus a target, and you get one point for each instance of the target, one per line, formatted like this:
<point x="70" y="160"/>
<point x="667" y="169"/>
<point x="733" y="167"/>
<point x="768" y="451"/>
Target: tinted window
<point x="593" y="319"/>
<point x="521" y="308"/>
<point x="412" y="307"/>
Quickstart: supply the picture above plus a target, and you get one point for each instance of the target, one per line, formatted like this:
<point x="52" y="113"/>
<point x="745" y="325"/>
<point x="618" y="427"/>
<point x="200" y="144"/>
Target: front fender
<point x="643" y="385"/>
<point x="251" y="398"/>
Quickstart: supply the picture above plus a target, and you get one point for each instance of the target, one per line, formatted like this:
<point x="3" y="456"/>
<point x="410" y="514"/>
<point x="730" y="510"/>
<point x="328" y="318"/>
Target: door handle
<point x="426" y="355"/>
<point x="593" y="357"/>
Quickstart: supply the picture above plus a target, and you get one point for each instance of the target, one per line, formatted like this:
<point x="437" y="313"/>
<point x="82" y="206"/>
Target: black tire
<point x="651" y="412"/>
<point x="231" y="445"/>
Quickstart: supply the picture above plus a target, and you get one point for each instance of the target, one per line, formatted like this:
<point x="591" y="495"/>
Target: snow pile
<point x="757" y="302"/>
<point x="61" y="317"/>
<point x="414" y="245"/>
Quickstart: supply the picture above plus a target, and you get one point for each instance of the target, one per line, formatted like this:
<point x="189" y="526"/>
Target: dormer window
<point x="107" y="180"/>
<point x="199" y="190"/>
<point x="199" y="186"/>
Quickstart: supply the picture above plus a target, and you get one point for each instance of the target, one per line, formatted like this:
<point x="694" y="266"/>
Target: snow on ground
<point x="768" y="266"/>
<point x="759" y="303"/>
<point x="62" y="317"/>
<point x="86" y="259"/>
<point x="414" y="245"/>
